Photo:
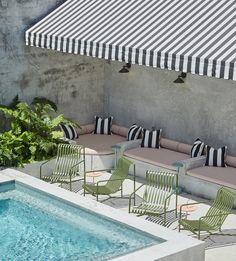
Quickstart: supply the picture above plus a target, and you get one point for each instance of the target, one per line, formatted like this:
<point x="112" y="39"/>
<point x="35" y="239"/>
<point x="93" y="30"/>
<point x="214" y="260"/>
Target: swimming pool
<point x="37" y="226"/>
<point x="57" y="212"/>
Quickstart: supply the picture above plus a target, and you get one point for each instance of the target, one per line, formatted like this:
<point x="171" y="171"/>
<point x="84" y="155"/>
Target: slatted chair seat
<point x="159" y="187"/>
<point x="54" y="178"/>
<point x="147" y="208"/>
<point x="69" y="165"/>
<point x="193" y="225"/>
<point x="100" y="190"/>
<point x="215" y="216"/>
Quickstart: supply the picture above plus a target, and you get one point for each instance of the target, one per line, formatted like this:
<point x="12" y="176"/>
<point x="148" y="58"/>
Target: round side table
<point x="187" y="209"/>
<point x="94" y="174"/>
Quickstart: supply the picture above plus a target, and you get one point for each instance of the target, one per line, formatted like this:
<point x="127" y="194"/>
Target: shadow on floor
<point x="171" y="218"/>
<point x="225" y="238"/>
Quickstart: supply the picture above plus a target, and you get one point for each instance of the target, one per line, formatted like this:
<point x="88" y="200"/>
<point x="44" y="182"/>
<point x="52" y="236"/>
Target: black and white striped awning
<point x="197" y="36"/>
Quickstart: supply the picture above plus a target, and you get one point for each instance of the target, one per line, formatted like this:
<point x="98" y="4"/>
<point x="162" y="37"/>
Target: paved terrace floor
<point x="218" y="247"/>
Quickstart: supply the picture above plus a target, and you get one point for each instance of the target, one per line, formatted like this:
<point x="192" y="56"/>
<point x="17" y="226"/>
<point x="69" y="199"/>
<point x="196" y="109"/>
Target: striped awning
<point x="197" y="36"/>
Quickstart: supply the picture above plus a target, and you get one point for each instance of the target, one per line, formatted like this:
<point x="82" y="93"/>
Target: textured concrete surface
<point x="75" y="83"/>
<point x="202" y="107"/>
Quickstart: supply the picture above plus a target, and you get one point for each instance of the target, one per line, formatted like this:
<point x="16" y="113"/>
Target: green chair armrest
<point x="44" y="163"/>
<point x="130" y="196"/>
<point x="189" y="204"/>
<point x="171" y="194"/>
<point x="105" y="180"/>
<point x="210" y="216"/>
<point x="98" y="170"/>
<point x="81" y="161"/>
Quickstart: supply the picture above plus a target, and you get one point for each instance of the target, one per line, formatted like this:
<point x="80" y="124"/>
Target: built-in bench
<point x="194" y="177"/>
<point x="204" y="181"/>
<point x="98" y="148"/>
<point x="169" y="153"/>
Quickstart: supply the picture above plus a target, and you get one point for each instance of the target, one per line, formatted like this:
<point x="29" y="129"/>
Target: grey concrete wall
<point x="202" y="107"/>
<point x="75" y="83"/>
<point x="82" y="86"/>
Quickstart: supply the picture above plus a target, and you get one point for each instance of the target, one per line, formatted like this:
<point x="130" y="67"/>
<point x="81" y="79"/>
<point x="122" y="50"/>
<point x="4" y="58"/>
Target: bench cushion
<point x="176" y="146"/>
<point x="85" y="129"/>
<point x="159" y="157"/>
<point x="231" y="161"/>
<point x="222" y="176"/>
<point x="98" y="143"/>
<point x="119" y="130"/>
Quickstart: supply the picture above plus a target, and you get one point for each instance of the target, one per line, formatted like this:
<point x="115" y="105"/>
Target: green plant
<point x="33" y="135"/>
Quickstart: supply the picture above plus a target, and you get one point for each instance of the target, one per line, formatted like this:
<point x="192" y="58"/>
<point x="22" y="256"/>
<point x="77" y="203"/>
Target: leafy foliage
<point x="33" y="135"/>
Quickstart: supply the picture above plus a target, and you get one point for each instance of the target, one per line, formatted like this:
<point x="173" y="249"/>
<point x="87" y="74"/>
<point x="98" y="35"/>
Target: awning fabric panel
<point x="197" y="36"/>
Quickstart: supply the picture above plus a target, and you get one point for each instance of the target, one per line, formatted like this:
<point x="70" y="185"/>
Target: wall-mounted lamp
<point x="125" y="68"/>
<point x="181" y="78"/>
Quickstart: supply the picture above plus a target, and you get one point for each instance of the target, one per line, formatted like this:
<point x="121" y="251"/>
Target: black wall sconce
<point x="125" y="68"/>
<point x="181" y="78"/>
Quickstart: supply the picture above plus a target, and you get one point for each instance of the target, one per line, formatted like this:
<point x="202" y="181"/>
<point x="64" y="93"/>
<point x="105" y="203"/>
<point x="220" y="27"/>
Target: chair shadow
<point x="121" y="202"/>
<point x="227" y="237"/>
<point x="171" y="218"/>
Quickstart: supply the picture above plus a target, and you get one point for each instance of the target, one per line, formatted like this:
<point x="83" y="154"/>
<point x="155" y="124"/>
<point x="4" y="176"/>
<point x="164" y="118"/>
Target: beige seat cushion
<point x="222" y="176"/>
<point x="159" y="157"/>
<point x="99" y="144"/>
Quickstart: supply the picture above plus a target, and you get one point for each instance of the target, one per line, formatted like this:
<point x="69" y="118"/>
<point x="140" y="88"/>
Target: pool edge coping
<point x="175" y="242"/>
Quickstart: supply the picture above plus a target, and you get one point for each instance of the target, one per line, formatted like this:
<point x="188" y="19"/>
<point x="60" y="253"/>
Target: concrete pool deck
<point x="177" y="247"/>
<point x="217" y="247"/>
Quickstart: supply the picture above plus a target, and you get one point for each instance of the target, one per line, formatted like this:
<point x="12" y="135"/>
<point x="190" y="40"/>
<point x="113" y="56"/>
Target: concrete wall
<point x="202" y="107"/>
<point x="75" y="83"/>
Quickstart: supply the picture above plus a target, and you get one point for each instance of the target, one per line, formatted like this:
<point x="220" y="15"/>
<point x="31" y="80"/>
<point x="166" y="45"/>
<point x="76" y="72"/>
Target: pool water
<point x="35" y="226"/>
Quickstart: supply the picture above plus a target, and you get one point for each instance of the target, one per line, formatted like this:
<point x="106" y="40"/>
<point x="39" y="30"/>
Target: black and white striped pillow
<point x="134" y="132"/>
<point x="151" y="139"/>
<point x="215" y="157"/>
<point x="103" y="126"/>
<point x="69" y="131"/>
<point x="197" y="149"/>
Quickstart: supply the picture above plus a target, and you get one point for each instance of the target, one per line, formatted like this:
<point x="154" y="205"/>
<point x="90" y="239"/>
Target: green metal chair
<point x="69" y="165"/>
<point x="215" y="216"/>
<point x="114" y="183"/>
<point x="159" y="187"/>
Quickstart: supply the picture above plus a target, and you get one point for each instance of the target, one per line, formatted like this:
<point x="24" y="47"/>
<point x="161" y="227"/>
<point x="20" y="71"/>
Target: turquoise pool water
<point x="35" y="226"/>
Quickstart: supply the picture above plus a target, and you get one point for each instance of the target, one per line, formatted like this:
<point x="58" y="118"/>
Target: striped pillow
<point x="134" y="132"/>
<point x="197" y="149"/>
<point x="151" y="139"/>
<point x="215" y="157"/>
<point x="69" y="131"/>
<point x="103" y="126"/>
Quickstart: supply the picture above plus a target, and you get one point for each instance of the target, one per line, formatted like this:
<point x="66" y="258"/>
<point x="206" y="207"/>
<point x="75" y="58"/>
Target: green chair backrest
<point x="159" y="185"/>
<point x="222" y="205"/>
<point x="68" y="155"/>
<point x="121" y="172"/>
